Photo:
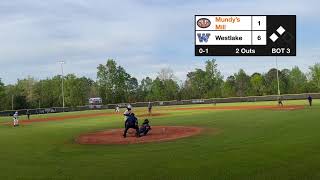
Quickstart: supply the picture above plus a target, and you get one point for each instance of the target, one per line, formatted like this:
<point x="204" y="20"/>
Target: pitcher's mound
<point x="157" y="134"/>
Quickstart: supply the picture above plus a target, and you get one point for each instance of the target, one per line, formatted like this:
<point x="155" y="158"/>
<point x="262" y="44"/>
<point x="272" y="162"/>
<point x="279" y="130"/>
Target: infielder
<point x="280" y="101"/>
<point x="117" y="108"/>
<point x="150" y="107"/>
<point x="310" y="100"/>
<point x="28" y="114"/>
<point x="15" y="119"/>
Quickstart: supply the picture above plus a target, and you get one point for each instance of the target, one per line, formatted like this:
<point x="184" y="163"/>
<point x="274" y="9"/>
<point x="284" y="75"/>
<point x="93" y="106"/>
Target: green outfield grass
<point x="251" y="144"/>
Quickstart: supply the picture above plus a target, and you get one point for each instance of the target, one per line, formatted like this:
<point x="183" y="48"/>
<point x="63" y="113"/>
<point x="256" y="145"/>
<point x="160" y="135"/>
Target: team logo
<point x="203" y="37"/>
<point x="203" y="22"/>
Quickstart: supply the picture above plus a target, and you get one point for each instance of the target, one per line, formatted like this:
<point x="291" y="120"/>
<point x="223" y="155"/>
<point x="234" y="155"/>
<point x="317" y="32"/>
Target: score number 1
<point x="203" y="51"/>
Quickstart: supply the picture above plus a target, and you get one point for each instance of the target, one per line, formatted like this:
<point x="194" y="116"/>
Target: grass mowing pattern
<point x="255" y="144"/>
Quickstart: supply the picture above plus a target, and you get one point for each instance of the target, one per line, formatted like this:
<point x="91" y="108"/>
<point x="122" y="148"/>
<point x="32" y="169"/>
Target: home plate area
<point x="156" y="134"/>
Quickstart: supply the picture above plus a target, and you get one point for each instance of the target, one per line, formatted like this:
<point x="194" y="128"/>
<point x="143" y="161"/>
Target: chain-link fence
<point x="165" y="103"/>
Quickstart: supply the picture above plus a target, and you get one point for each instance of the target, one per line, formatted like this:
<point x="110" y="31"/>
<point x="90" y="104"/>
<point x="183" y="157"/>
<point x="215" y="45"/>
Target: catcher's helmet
<point x="146" y="121"/>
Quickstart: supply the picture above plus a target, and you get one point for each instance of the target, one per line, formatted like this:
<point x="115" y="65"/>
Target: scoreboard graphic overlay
<point x="245" y="35"/>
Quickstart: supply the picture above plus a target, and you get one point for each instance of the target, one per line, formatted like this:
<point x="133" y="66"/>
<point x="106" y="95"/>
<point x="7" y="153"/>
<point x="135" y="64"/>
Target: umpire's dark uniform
<point x="131" y="122"/>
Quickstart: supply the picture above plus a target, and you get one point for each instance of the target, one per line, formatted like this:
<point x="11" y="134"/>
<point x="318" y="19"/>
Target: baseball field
<point x="235" y="141"/>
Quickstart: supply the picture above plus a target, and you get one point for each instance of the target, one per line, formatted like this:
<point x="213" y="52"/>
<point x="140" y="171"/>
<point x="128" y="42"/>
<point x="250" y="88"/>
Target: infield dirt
<point x="157" y="134"/>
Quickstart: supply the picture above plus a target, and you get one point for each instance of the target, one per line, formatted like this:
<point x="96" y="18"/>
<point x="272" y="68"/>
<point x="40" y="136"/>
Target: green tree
<point x="115" y="84"/>
<point x="144" y="89"/>
<point x="229" y="87"/>
<point x="271" y="82"/>
<point x="156" y="92"/>
<point x="257" y="84"/>
<point x="2" y="95"/>
<point x="132" y="89"/>
<point x="106" y="76"/>
<point x="15" y="97"/>
<point x="315" y="76"/>
<point x="242" y="83"/>
<point x="164" y="87"/>
<point x="50" y="92"/>
<point x="297" y="81"/>
<point x="284" y="78"/>
<point x="94" y="90"/>
<point x="120" y="87"/>
<point x="171" y="89"/>
<point x="9" y="92"/>
<point x="25" y="91"/>
<point x="195" y="85"/>
<point x="213" y="79"/>
<point x="206" y="83"/>
<point x="77" y="90"/>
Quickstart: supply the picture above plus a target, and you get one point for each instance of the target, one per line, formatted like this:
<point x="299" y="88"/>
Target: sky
<point x="143" y="36"/>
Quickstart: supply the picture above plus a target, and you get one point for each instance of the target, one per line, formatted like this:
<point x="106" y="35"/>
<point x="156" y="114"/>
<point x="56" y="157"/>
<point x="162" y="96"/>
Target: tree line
<point x="115" y="85"/>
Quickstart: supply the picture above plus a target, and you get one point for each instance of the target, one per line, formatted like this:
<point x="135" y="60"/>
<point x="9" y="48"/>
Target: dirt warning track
<point x="270" y="107"/>
<point x="77" y="116"/>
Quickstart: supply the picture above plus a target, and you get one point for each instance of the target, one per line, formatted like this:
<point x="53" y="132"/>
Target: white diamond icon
<point x="281" y="30"/>
<point x="273" y="37"/>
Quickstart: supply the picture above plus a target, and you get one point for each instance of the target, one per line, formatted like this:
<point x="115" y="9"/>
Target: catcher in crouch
<point x="131" y="122"/>
<point x="145" y="127"/>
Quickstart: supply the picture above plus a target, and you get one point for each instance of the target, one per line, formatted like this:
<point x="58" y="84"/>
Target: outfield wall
<point x="167" y="103"/>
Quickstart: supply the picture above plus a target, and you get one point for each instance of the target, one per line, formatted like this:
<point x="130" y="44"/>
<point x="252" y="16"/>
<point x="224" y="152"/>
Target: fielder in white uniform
<point x="117" y="109"/>
<point x="15" y="119"/>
